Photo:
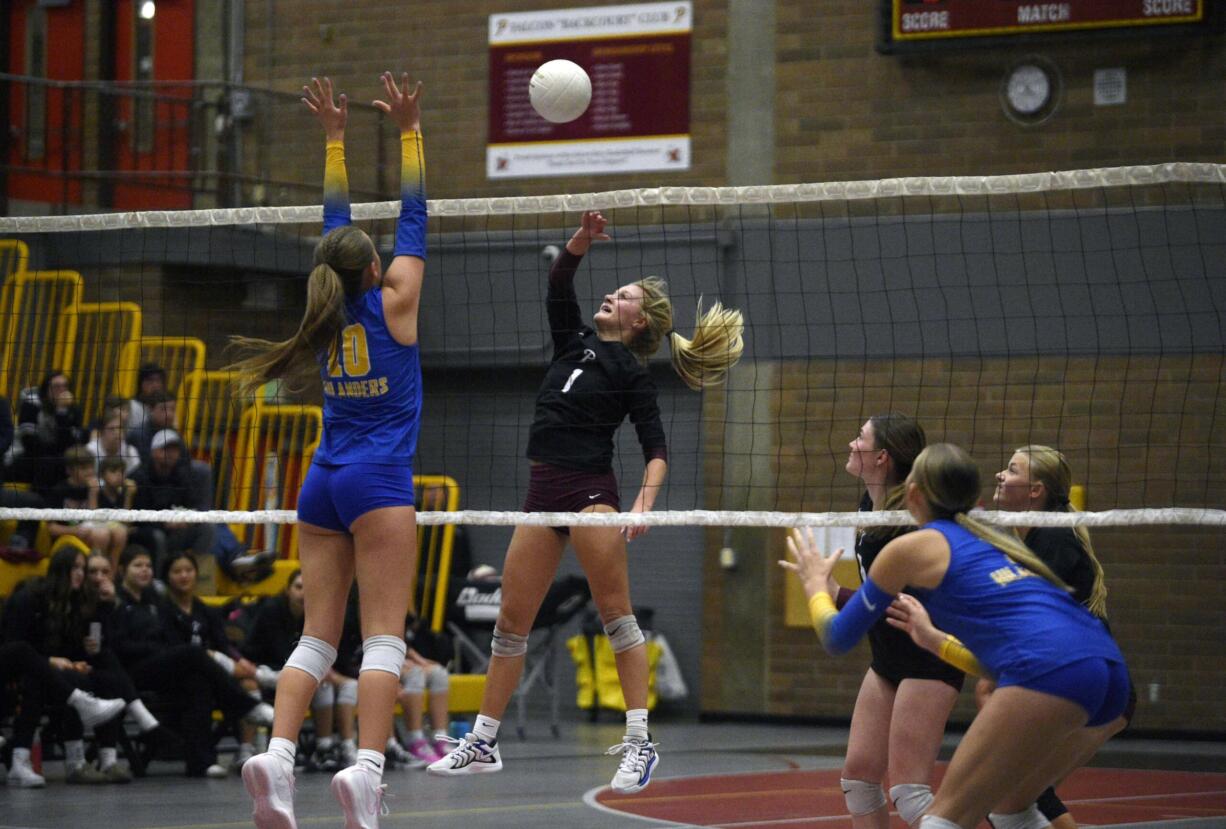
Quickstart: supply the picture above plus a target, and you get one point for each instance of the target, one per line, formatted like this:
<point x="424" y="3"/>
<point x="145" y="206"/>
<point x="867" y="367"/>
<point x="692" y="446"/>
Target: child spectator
<point x="80" y="491"/>
<point x="108" y="441"/>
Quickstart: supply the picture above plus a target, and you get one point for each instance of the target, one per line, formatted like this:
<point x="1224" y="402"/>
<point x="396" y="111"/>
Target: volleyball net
<point x="1081" y="310"/>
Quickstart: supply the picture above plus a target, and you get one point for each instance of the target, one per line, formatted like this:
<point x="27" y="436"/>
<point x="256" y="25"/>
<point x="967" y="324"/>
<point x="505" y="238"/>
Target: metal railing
<point x="87" y="145"/>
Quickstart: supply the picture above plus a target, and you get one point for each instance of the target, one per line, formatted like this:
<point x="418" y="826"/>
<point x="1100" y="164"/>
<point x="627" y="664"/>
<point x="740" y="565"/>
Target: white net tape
<point x="688" y="518"/>
<point x="931" y="186"/>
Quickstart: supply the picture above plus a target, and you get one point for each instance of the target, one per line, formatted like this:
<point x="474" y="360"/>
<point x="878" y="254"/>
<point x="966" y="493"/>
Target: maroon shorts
<point x="555" y="489"/>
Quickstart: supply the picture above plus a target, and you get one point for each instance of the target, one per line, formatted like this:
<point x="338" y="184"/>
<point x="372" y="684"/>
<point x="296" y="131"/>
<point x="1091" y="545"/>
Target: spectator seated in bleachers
<point x="424" y="669"/>
<point x="182" y="673"/>
<point x="59" y="617"/>
<point x="80" y="491"/>
<point x="107" y="441"/>
<point x="167" y="481"/>
<point x="20" y="545"/>
<point x="162" y="414"/>
<point x="48" y="422"/>
<point x="150" y="380"/>
<point x="190" y="621"/>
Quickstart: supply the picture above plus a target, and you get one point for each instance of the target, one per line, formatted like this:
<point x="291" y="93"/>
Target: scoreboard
<point x="916" y="21"/>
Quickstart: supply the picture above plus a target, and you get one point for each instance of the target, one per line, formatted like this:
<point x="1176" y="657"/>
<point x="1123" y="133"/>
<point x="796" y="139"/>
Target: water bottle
<point x="460" y="727"/>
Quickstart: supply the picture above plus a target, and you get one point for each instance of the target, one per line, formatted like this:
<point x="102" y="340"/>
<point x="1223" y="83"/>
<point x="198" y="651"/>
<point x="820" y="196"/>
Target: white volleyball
<point x="560" y="91"/>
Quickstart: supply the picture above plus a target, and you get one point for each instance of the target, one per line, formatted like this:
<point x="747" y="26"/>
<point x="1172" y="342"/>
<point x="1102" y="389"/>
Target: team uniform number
<point x="354" y="355"/>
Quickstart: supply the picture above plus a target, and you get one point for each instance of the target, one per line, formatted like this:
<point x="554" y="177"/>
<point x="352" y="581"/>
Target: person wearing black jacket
<point x="183" y="672"/>
<point x="190" y="621"/>
<point x="19" y="545"/>
<point x="164" y="482"/>
<point x="48" y="422"/>
<point x="597" y="378"/>
<point x="58" y="617"/>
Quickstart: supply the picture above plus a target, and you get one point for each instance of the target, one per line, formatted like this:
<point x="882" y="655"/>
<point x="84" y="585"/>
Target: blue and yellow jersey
<point x="372" y="391"/>
<point x="1016" y="623"/>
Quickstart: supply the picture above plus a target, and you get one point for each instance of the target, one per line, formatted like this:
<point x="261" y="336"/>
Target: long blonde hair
<point x="1050" y="468"/>
<point x="341" y="258"/>
<point x="702" y="360"/>
<point x="948" y="479"/>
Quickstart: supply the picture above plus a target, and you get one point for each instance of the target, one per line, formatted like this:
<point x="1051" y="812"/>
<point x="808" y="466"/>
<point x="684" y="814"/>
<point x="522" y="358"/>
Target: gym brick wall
<point x="842" y="110"/>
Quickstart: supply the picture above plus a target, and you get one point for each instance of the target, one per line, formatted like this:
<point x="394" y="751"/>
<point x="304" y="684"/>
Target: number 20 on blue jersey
<point x="354" y="354"/>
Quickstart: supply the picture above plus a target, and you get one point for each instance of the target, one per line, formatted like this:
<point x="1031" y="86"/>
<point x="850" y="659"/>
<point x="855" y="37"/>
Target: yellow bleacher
<point x="39" y="325"/>
<point x="103" y="356"/>
<point x="14" y="256"/>
<point x="179" y="357"/>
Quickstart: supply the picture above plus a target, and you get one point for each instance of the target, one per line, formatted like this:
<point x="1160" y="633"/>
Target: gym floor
<point x="718" y="775"/>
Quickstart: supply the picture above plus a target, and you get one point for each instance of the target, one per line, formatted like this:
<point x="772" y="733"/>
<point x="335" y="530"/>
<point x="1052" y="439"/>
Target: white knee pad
<point x="863" y="797"/>
<point x="624" y="633"/>
<point x="508" y="644"/>
<point x="437" y="680"/>
<point x="347" y="692"/>
<point x="325" y="696"/>
<point x="383" y="653"/>
<point x="1030" y="818"/>
<point x="911" y="800"/>
<point x="312" y="656"/>
<point x="934" y="822"/>
<point x="413" y="681"/>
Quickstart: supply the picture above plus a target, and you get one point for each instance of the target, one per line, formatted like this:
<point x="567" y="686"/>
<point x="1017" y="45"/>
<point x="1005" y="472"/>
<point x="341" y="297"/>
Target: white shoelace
<point x="634" y="755"/>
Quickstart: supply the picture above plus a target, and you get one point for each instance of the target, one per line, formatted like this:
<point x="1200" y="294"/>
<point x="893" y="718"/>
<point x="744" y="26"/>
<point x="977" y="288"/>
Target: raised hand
<point x="327" y="111"/>
<point x="591" y="229"/>
<point x="402" y="105"/>
<point x="814" y="568"/>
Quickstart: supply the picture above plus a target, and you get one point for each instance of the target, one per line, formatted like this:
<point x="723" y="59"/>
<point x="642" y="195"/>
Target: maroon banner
<point x="914" y="20"/>
<point x="640" y="87"/>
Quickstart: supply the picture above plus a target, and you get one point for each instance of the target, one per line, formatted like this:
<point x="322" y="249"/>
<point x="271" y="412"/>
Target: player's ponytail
<point x="948" y="479"/>
<point x="1050" y="468"/>
<point x="341" y="258"/>
<point x="704" y="359"/>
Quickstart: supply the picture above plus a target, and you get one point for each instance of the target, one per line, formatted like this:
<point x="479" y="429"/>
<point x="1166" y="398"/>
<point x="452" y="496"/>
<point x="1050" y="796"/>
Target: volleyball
<point x="560" y="91"/>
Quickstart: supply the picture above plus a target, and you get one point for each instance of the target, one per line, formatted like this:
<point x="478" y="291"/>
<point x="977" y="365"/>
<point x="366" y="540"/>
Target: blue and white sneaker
<point x="472" y="755"/>
<point x="639" y="760"/>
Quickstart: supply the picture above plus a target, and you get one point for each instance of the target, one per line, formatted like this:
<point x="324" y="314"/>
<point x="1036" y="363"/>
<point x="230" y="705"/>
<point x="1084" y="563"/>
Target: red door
<point x="46" y="137"/>
<point x="154" y="41"/>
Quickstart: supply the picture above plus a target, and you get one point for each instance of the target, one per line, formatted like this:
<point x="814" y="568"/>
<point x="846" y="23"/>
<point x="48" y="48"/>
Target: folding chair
<point x="474" y="610"/>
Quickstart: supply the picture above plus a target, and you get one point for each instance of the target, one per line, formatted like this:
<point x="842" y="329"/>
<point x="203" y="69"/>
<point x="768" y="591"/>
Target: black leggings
<point x="197" y="685"/>
<point x="43" y="687"/>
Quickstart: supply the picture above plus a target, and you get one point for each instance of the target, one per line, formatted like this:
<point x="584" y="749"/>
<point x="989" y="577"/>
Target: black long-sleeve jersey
<point x="589" y="389"/>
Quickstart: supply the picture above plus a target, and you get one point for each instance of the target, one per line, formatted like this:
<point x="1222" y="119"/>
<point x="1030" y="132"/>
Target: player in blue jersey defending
<point x="355" y="512"/>
<point x="1058" y="670"/>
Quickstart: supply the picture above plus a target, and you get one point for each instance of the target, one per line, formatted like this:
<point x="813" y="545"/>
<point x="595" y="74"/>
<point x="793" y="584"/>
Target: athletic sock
<point x="636" y="723"/>
<point x="284" y="750"/>
<point x="486" y="728"/>
<point x="371" y="761"/>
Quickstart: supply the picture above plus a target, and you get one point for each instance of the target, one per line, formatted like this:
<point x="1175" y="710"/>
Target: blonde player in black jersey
<point x="597" y="377"/>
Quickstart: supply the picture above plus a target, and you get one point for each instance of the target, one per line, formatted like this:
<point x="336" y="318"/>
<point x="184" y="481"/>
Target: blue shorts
<point x="333" y="497"/>
<point x="1100" y="686"/>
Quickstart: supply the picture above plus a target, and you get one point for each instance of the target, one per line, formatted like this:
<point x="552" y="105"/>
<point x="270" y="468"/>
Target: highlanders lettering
<point x="1007" y="575"/>
<point x="356" y="388"/>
